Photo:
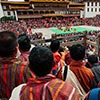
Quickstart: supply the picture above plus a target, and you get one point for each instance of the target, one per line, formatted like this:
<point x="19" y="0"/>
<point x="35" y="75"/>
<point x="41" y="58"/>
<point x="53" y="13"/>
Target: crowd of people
<point x="41" y="73"/>
<point x="21" y="26"/>
<point x="52" y="72"/>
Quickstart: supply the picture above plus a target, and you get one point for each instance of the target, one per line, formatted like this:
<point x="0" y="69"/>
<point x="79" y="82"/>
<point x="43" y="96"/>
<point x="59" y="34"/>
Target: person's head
<point x="55" y="44"/>
<point x="8" y="43"/>
<point x="41" y="61"/>
<point x="24" y="42"/>
<point x="77" y="52"/>
<point x="92" y="59"/>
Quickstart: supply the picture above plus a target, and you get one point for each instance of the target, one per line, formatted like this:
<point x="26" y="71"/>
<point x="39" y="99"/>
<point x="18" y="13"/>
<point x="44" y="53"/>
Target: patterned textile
<point x="57" y="63"/>
<point x="48" y="88"/>
<point x="12" y="73"/>
<point x="24" y="55"/>
<point x="68" y="58"/>
<point x="67" y="75"/>
<point x="57" y="59"/>
<point x="83" y="74"/>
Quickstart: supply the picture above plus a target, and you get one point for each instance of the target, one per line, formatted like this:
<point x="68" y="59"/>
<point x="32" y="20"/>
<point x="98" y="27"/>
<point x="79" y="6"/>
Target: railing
<point x="76" y="39"/>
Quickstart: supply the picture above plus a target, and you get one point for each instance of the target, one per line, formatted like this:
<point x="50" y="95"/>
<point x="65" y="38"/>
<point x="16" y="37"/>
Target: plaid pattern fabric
<point x="12" y="73"/>
<point x="83" y="74"/>
<point x="48" y="88"/>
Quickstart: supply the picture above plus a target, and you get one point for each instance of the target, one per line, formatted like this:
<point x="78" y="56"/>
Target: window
<point x="87" y="9"/>
<point x="95" y="3"/>
<point x="87" y="3"/>
<point x="91" y="3"/>
<point x="14" y="12"/>
<point x="91" y="9"/>
<point x="8" y="12"/>
<point x="95" y="9"/>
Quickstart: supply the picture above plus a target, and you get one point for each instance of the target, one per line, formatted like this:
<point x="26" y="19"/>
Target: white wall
<point x="81" y="13"/>
<point x="90" y="7"/>
<point x="1" y="11"/>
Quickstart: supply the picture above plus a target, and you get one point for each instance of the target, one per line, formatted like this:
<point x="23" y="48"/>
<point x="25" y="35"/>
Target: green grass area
<point x="73" y="30"/>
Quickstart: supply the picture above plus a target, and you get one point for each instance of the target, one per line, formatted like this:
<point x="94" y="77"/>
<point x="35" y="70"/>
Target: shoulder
<point x="96" y="68"/>
<point x="94" y="94"/>
<point x="88" y="71"/>
<point x="66" y="90"/>
<point x="61" y="86"/>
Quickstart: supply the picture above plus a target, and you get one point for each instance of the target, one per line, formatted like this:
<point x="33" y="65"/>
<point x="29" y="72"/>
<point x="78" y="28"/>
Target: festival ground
<point x="47" y="32"/>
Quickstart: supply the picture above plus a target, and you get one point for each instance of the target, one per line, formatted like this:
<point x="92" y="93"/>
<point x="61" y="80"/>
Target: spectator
<point x="92" y="61"/>
<point x="83" y="74"/>
<point x="62" y="51"/>
<point x="12" y="70"/>
<point x="94" y="94"/>
<point x="68" y="58"/>
<point x="96" y="71"/>
<point x="95" y="67"/>
<point x="54" y="46"/>
<point x="45" y="86"/>
<point x="24" y="46"/>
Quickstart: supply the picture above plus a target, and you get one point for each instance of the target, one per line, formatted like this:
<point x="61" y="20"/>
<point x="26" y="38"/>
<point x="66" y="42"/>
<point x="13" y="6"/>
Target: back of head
<point x="92" y="59"/>
<point x="8" y="43"/>
<point x="77" y="52"/>
<point x="24" y="42"/>
<point x="41" y="60"/>
<point x="55" y="44"/>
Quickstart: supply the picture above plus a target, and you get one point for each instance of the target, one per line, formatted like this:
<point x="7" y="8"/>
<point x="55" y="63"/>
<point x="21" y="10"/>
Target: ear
<point x="15" y="52"/>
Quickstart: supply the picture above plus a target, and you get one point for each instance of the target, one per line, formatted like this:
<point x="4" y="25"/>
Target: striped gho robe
<point x="48" y="88"/>
<point x="12" y="73"/>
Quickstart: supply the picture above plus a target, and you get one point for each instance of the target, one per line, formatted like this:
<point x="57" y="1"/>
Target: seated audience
<point x="12" y="70"/>
<point x="45" y="86"/>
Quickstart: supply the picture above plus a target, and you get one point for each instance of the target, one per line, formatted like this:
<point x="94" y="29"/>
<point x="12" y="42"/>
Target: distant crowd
<point x="22" y="26"/>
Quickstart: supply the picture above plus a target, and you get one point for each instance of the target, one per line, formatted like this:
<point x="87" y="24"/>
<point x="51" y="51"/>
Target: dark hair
<point x="55" y="44"/>
<point x="92" y="59"/>
<point x="41" y="60"/>
<point x="8" y="43"/>
<point x="24" y="42"/>
<point x="77" y="52"/>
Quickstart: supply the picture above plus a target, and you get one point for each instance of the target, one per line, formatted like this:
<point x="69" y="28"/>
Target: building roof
<point x="74" y="3"/>
<point x="48" y="1"/>
<point x="91" y="1"/>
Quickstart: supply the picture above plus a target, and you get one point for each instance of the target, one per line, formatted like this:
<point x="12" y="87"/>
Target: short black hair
<point x="8" y="43"/>
<point x="92" y="59"/>
<point x="41" y="60"/>
<point x="24" y="42"/>
<point x="77" y="52"/>
<point x="54" y="46"/>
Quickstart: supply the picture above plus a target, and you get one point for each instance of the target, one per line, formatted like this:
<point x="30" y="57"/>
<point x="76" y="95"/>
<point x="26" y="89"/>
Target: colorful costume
<point x="83" y="74"/>
<point x="12" y="73"/>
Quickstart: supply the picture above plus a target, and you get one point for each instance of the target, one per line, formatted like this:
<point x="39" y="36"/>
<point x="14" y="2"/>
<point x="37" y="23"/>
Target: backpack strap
<point x="94" y="94"/>
<point x="65" y="72"/>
